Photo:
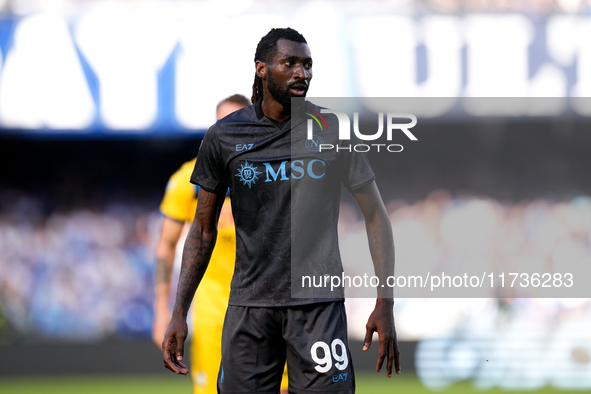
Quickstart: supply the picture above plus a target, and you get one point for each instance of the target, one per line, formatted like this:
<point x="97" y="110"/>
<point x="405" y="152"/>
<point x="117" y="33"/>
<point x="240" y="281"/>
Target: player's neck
<point x="274" y="110"/>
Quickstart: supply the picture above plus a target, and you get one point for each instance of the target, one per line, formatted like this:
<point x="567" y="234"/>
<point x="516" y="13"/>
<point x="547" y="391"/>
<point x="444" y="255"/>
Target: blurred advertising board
<point x="158" y="68"/>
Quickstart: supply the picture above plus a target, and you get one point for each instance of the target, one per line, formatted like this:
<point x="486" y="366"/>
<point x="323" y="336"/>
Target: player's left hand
<point x="173" y="345"/>
<point x="382" y="321"/>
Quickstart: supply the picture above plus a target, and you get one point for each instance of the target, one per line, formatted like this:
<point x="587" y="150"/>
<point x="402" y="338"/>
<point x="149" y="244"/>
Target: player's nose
<point x="300" y="72"/>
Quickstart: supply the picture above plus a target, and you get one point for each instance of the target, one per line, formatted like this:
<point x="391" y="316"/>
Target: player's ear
<point x="261" y="69"/>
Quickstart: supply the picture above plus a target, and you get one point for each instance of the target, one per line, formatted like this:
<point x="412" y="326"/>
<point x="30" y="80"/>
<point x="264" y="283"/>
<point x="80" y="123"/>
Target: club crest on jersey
<point x="314" y="144"/>
<point x="248" y="174"/>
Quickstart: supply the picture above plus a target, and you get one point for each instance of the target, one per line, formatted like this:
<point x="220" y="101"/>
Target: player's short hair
<point x="267" y="49"/>
<point x="235" y="99"/>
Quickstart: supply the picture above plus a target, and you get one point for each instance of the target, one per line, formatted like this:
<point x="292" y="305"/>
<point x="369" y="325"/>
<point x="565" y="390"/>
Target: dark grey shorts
<point x="256" y="342"/>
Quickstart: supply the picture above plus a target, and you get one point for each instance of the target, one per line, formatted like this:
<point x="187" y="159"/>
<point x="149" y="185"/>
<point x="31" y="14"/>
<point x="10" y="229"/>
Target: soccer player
<point x="264" y="325"/>
<point x="211" y="301"/>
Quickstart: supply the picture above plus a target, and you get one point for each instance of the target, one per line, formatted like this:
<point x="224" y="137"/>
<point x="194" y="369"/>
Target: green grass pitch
<point x="366" y="384"/>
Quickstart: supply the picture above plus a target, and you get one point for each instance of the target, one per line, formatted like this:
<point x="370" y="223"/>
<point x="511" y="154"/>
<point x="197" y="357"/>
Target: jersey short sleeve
<point x="359" y="172"/>
<point x="209" y="169"/>
<point x="180" y="197"/>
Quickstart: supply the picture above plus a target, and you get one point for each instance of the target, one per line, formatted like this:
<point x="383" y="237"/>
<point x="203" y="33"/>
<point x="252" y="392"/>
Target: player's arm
<point x="196" y="254"/>
<point x="165" y="251"/>
<point x="381" y="246"/>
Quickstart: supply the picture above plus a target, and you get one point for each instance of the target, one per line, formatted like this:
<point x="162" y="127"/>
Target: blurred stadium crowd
<point x="79" y="219"/>
<point x="77" y="274"/>
<point x="527" y="6"/>
<point x="448" y="234"/>
<point x="87" y="273"/>
<point x="455" y="6"/>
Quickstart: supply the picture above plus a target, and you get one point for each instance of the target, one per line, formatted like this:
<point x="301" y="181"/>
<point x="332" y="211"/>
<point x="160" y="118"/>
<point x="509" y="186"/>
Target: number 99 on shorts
<point x="336" y="351"/>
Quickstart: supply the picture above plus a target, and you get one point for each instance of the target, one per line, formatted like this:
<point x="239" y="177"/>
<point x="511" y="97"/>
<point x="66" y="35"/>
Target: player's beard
<point x="280" y="94"/>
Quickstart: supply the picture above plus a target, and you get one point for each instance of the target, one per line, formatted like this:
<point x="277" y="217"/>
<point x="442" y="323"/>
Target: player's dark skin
<point x="290" y="71"/>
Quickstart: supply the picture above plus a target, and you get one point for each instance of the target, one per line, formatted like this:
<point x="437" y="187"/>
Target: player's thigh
<point x="253" y="351"/>
<point x="206" y="354"/>
<point x="318" y="357"/>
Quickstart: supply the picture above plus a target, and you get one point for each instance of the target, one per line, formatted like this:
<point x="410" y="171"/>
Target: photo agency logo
<point x="316" y="143"/>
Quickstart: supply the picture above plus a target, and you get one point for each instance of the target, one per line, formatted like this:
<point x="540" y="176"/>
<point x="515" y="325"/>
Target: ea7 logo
<point x="345" y="126"/>
<point x="241" y="147"/>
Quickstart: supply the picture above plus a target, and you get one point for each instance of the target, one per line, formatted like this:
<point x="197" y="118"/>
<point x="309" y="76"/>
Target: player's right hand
<point x="173" y="346"/>
<point x="381" y="321"/>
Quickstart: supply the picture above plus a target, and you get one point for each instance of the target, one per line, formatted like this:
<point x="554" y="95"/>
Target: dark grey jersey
<point x="285" y="200"/>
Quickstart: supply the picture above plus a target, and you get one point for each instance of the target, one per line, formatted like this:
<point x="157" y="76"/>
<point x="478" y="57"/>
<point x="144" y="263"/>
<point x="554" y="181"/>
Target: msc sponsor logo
<point x="314" y="168"/>
<point x="296" y="169"/>
<point x="248" y="174"/>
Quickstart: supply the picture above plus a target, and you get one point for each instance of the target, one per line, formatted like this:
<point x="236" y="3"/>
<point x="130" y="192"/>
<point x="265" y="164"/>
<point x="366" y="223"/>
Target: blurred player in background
<point x="211" y="300"/>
